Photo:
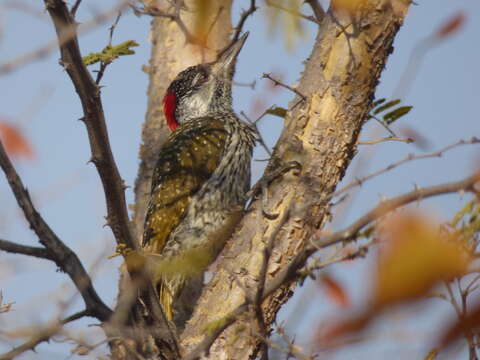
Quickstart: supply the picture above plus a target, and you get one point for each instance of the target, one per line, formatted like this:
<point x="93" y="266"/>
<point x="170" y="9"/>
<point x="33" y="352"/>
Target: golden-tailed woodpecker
<point x="200" y="182"/>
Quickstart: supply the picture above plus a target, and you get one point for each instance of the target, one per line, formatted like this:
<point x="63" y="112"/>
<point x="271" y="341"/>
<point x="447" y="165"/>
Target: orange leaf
<point x="415" y="257"/>
<point x="16" y="145"/>
<point x="450" y="26"/>
<point x="334" y="290"/>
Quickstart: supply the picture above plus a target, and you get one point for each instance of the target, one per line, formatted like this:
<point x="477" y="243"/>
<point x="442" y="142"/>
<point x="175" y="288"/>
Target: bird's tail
<point x="166" y="299"/>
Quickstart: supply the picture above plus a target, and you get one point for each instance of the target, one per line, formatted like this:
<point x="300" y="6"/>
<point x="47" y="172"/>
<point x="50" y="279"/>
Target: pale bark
<point x="339" y="81"/>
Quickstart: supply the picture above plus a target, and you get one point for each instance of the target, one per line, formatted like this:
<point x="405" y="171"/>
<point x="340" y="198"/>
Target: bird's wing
<point x="186" y="161"/>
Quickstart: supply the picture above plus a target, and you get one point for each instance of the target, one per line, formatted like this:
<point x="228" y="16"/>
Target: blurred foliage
<point x="203" y="12"/>
<point x="451" y="26"/>
<point x="286" y="15"/>
<point x="110" y="53"/>
<point x="415" y="255"/>
<point x="466" y="226"/>
<point x="14" y="141"/>
<point x="334" y="290"/>
<point x="348" y="6"/>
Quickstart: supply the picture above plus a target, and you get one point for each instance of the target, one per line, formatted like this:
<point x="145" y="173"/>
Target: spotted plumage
<point x="199" y="184"/>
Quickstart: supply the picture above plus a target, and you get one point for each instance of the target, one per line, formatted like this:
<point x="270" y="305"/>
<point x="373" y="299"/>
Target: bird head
<point x="202" y="89"/>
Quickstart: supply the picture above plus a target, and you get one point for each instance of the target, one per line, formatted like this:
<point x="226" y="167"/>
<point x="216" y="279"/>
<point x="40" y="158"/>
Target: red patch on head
<point x="169" y="105"/>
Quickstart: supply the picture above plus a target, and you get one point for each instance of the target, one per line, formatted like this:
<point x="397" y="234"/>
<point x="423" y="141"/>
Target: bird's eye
<point x="197" y="79"/>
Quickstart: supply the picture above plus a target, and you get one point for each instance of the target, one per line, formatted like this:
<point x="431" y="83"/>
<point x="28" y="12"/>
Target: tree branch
<point x="94" y="119"/>
<point x="63" y="256"/>
<point x="14" y="248"/>
<point x="408" y="158"/>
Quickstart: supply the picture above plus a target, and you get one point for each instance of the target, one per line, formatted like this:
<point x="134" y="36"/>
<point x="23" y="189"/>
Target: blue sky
<point x="40" y="99"/>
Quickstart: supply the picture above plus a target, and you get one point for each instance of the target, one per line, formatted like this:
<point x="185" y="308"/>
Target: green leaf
<point x="277" y="111"/>
<point x="396" y="114"/>
<point x="110" y="53"/>
<point x="378" y="102"/>
<point x="386" y="106"/>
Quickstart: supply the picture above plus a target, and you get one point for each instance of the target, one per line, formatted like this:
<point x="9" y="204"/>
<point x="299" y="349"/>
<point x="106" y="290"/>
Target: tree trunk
<point x="320" y="133"/>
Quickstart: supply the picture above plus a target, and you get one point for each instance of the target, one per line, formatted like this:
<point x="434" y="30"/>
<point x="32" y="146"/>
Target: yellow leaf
<point x="203" y="12"/>
<point x="286" y="15"/>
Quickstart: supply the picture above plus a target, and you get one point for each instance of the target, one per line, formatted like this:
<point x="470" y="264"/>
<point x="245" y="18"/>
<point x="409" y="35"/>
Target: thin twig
<point x="279" y="83"/>
<point x="239" y="28"/>
<point x="408" y="158"/>
<point x="103" y="65"/>
<point x="385" y="126"/>
<point x="75" y="6"/>
<point x="42" y="336"/>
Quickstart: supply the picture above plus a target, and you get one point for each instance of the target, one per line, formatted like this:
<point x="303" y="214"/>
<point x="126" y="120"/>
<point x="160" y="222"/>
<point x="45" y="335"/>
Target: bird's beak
<point x="227" y="60"/>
